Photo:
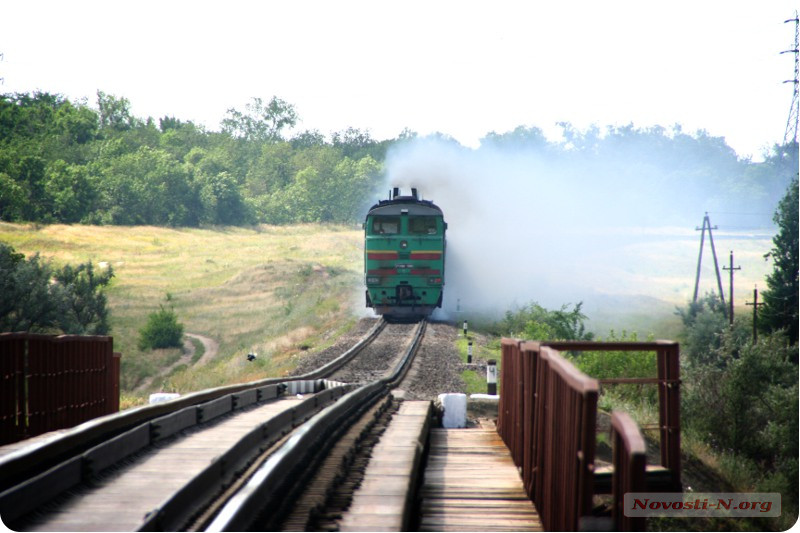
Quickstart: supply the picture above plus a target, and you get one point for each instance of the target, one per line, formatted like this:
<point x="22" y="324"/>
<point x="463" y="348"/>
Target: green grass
<point x="482" y="349"/>
<point x="199" y="350"/>
<point x="265" y="289"/>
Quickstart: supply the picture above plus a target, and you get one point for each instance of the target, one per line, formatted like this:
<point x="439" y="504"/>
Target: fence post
<point x="671" y="436"/>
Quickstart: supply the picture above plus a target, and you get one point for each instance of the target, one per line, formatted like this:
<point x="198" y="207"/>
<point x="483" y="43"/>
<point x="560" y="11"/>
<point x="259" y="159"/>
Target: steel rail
<point x="35" y="474"/>
<point x="265" y="499"/>
<point x="29" y="461"/>
<point x="171" y="514"/>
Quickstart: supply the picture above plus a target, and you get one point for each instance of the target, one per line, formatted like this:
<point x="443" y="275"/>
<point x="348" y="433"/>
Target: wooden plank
<point x="472" y="484"/>
<point x="381" y="501"/>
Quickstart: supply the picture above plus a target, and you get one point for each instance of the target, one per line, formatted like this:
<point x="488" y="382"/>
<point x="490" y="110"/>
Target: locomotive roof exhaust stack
<point x="395" y="192"/>
<point x="414" y="193"/>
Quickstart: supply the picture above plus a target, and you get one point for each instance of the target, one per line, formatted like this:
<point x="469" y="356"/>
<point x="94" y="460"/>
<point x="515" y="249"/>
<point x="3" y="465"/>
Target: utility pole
<point x="730" y="292"/>
<point x="755" y="305"/>
<point x="794" y="109"/>
<point x="707" y="225"/>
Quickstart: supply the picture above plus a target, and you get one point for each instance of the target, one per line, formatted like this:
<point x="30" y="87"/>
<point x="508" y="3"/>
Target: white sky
<point x="460" y="68"/>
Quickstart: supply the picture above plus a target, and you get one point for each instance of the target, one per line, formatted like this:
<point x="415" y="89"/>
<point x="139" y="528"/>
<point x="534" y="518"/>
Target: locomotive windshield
<point x="422" y="225"/>
<point x="386" y="225"/>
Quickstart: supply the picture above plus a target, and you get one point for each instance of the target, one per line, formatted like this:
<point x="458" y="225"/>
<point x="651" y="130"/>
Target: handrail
<point x="668" y="381"/>
<point x="630" y="463"/>
<point x="547" y="418"/>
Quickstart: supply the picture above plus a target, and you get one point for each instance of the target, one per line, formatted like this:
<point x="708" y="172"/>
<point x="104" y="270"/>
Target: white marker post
<point x="469" y="352"/>
<point x="491" y="377"/>
<point x="465" y="328"/>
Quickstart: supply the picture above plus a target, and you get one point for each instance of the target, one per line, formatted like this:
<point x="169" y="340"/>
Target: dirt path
<point x="211" y="346"/>
<point x="211" y="349"/>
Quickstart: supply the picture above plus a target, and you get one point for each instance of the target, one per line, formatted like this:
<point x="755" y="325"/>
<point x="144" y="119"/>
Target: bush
<point x="618" y="364"/>
<point x="162" y="331"/>
<point x="534" y="322"/>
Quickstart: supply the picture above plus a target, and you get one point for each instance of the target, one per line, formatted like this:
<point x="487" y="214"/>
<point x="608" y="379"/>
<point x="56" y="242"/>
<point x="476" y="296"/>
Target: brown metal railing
<point x="668" y="382"/>
<point x="49" y="383"/>
<point x="547" y="418"/>
<point x="630" y="461"/>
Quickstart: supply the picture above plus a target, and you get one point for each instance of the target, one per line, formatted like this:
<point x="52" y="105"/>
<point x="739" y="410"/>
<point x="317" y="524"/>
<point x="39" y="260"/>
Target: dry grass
<point x="266" y="289"/>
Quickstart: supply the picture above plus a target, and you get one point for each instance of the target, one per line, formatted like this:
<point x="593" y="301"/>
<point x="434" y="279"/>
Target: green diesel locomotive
<point x="404" y="252"/>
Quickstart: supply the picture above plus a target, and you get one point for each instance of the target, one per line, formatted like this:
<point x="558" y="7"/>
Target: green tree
<point x="260" y="122"/>
<point x="115" y="113"/>
<point x="145" y="187"/>
<point x="221" y="200"/>
<point x="780" y="311"/>
<point x="12" y="199"/>
<point x="703" y="321"/>
<point x="38" y="298"/>
<point x="70" y="191"/>
<point x="740" y="397"/>
<point x="86" y="303"/>
<point x="32" y="178"/>
<point x="77" y="124"/>
<point x="30" y="301"/>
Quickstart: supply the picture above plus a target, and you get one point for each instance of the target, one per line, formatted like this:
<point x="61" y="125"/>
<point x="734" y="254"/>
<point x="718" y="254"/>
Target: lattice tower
<point x="794" y="110"/>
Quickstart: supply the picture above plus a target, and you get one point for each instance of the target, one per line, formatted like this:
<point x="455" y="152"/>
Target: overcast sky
<point x="460" y="68"/>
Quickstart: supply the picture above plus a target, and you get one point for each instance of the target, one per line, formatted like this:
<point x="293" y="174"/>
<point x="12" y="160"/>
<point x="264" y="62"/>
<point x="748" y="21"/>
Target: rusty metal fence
<point x="630" y="462"/>
<point x="668" y="381"/>
<point x="49" y="383"/>
<point x="547" y="418"/>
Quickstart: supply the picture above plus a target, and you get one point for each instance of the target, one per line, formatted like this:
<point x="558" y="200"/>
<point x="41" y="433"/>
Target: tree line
<point x="67" y="162"/>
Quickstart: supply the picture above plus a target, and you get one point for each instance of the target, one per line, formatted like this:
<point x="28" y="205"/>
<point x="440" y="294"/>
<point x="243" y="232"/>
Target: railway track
<point x="234" y="458"/>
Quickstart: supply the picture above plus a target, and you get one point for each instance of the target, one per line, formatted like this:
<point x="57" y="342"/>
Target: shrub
<point x="161" y="331"/>
<point x="618" y="364"/>
<point x="534" y="322"/>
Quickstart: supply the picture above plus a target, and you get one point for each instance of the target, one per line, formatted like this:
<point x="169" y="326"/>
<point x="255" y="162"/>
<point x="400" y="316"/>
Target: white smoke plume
<point x="614" y="229"/>
<point x="528" y="225"/>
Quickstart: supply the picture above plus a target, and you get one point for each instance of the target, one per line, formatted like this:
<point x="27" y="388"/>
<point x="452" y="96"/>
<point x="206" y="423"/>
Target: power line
<point x="739" y="214"/>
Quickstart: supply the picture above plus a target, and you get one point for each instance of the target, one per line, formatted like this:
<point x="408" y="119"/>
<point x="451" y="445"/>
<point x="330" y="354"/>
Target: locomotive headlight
<point x="403" y="244"/>
<point x="373" y="280"/>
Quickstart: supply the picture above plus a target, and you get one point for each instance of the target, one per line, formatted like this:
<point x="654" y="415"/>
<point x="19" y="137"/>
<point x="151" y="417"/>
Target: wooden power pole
<point x="730" y="291"/>
<point x="755" y="305"/>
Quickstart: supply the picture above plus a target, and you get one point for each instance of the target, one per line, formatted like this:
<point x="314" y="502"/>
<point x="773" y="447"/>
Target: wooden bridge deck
<point x="471" y="484"/>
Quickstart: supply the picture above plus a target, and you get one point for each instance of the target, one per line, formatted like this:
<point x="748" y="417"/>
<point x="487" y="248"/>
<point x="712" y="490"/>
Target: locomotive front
<point x="404" y="253"/>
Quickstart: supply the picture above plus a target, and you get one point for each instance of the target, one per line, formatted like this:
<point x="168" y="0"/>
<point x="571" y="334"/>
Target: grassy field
<point x="280" y="291"/>
<point x="275" y="291"/>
